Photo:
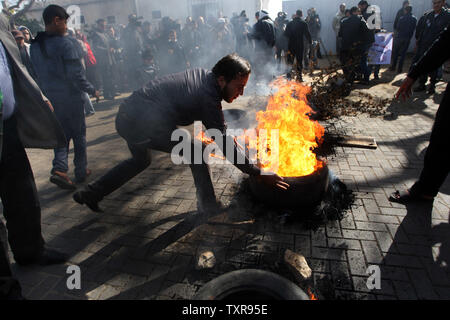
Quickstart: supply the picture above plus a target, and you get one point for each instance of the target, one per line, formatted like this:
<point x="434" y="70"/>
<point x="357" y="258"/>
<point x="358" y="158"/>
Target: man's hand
<point x="272" y="179"/>
<point x="49" y="104"/>
<point x="405" y="89"/>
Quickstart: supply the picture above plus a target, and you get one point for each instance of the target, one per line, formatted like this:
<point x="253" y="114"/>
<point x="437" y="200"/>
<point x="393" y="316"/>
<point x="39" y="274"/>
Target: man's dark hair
<point x="53" y="11"/>
<point x="408" y="9"/>
<point x="353" y="10"/>
<point x="231" y="66"/>
<point x="405" y="2"/>
<point x="363" y="2"/>
<point x="100" y="21"/>
<point x="299" y="13"/>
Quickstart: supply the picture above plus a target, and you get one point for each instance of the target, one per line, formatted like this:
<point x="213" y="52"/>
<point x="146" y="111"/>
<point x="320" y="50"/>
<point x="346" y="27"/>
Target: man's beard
<point x="225" y="94"/>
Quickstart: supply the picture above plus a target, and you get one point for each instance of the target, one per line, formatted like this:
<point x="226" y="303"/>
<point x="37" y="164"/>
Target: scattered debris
<point x="329" y="96"/>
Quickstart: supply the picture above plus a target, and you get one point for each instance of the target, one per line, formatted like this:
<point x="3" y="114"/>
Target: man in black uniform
<point x="296" y="31"/>
<point x="147" y="119"/>
<point x="437" y="162"/>
<point x="428" y="28"/>
<point x="354" y="33"/>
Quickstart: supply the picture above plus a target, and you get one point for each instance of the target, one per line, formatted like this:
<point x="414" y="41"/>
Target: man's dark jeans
<point x="21" y="207"/>
<point x="399" y="51"/>
<point x="437" y="162"/>
<point x="75" y="130"/>
<point x="9" y="286"/>
<point x="141" y="159"/>
<point x="297" y="56"/>
<point x="423" y="78"/>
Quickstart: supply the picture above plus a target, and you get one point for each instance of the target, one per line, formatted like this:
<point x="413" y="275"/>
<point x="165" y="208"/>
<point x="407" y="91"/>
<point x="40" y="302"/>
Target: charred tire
<point x="303" y="191"/>
<point x="250" y="284"/>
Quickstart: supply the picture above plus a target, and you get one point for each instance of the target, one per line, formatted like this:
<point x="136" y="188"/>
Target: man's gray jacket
<point x="36" y="123"/>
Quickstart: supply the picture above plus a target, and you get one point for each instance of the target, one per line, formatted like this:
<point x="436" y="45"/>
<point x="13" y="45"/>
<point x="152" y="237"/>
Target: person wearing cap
<point x="26" y="33"/>
<point x="26" y="121"/>
<point x="24" y="52"/>
<point x="60" y="74"/>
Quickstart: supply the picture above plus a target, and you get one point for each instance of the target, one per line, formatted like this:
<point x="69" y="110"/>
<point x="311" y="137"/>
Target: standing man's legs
<point x="402" y="53"/>
<point x="437" y="162"/>
<point x="21" y="207"/>
<point x="80" y="149"/>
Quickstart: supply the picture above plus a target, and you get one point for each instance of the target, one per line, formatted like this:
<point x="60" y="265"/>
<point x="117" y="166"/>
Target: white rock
<point x="297" y="265"/>
<point x="206" y="260"/>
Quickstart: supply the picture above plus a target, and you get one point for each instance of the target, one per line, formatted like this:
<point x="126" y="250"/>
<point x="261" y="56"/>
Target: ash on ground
<point x="335" y="202"/>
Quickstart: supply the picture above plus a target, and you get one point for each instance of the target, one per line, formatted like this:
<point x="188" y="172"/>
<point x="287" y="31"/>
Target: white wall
<point x="328" y="8"/>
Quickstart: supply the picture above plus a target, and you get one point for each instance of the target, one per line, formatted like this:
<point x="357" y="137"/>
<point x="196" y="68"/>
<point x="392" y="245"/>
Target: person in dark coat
<point x="264" y="35"/>
<point x="354" y="33"/>
<point x="281" y="43"/>
<point x="428" y="29"/>
<point x="404" y="32"/>
<point x="437" y="162"/>
<point x="400" y="13"/>
<point x="172" y="57"/>
<point x="148" y="118"/>
<point x="26" y="121"/>
<point x="101" y="46"/>
<point x="296" y="31"/>
<point x="24" y="52"/>
<point x="60" y="74"/>
<point x="133" y="46"/>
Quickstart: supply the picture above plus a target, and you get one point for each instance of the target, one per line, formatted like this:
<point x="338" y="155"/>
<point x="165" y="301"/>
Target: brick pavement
<point x="145" y="243"/>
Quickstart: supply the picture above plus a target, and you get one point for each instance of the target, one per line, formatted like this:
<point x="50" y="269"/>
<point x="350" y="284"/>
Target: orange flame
<point x="311" y="295"/>
<point x="287" y="111"/>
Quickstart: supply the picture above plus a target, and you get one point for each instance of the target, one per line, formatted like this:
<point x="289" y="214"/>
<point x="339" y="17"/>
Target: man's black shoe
<point x="420" y="88"/>
<point x="431" y="89"/>
<point x="48" y="257"/>
<point x="87" y="197"/>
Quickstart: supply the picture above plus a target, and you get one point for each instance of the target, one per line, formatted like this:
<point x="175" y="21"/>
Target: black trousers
<point x="21" y="207"/>
<point x="437" y="162"/>
<point x="141" y="158"/>
<point x="423" y="78"/>
<point x="9" y="286"/>
<point x="350" y="60"/>
<point x="298" y="55"/>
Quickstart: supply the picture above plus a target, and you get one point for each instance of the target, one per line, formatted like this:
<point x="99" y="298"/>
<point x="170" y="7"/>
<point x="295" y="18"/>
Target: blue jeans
<point x="74" y="130"/>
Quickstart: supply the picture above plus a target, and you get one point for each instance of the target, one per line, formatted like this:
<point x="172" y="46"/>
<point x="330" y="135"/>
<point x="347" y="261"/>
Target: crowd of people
<point x="47" y="83"/>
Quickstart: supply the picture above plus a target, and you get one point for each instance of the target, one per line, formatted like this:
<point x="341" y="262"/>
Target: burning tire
<point x="303" y="191"/>
<point x="250" y="284"/>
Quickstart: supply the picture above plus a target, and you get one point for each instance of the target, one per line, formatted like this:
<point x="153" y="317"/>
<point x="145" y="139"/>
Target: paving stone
<point x="372" y="252"/>
<point x="356" y="263"/>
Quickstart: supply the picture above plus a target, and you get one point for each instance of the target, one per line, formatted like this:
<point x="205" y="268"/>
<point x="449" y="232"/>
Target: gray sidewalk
<point x="145" y="243"/>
